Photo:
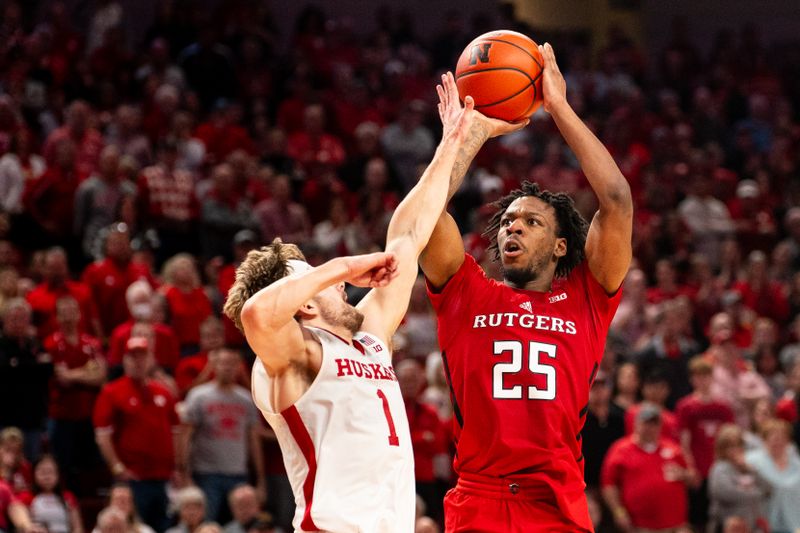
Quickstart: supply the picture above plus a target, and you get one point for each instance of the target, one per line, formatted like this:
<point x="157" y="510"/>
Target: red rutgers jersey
<point x="519" y="364"/>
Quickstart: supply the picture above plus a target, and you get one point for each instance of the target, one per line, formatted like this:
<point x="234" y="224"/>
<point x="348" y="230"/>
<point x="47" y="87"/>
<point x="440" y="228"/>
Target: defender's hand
<point x="371" y="270"/>
<point x="554" y="87"/>
<point x="450" y="111"/>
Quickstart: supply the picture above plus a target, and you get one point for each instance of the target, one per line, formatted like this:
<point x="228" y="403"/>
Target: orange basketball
<point x="502" y="71"/>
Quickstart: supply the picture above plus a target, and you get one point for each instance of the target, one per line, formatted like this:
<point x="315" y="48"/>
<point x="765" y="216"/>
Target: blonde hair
<point x="728" y="436"/>
<point x="11" y="434"/>
<point x="172" y="264"/>
<point x="259" y="269"/>
<point x="775" y="424"/>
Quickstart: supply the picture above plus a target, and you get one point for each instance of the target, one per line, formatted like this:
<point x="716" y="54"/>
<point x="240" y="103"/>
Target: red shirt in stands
<point x="43" y="302"/>
<point x="142" y="419"/>
<point x="190" y="368"/>
<point x="787" y="408"/>
<point x="702" y="419"/>
<point x="74" y="401"/>
<point x="108" y="282"/>
<point x="428" y="439"/>
<point x="166" y="349"/>
<point x="647" y="491"/>
<point x="227" y="275"/>
<point x="6" y="499"/>
<point x="519" y="364"/>
<point x="187" y="310"/>
<point x="669" y="423"/>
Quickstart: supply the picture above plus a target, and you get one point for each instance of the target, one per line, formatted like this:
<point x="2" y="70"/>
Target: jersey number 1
<point x="535" y="365"/>
<point x="393" y="439"/>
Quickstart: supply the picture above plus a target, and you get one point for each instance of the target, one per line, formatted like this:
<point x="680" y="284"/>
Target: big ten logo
<point x="479" y="52"/>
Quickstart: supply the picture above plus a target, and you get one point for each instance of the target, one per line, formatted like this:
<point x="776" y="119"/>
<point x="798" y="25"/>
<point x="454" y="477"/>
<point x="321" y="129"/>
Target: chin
<point x="518" y="276"/>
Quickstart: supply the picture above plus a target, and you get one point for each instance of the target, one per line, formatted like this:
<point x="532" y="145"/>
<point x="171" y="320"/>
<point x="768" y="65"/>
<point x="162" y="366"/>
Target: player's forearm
<point x="276" y="305"/>
<point x="601" y="170"/>
<point x="478" y="134"/>
<point x="417" y="214"/>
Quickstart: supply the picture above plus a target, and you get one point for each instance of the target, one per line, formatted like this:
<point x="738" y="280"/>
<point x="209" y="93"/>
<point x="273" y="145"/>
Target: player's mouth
<point x="511" y="249"/>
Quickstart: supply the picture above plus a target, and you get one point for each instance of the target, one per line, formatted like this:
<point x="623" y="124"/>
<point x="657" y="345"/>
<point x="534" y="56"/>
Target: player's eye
<point x="505" y="222"/>
<point x="532" y="221"/>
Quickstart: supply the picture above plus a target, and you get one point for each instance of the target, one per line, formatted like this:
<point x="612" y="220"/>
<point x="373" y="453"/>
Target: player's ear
<point x="560" y="249"/>
<point x="307" y="311"/>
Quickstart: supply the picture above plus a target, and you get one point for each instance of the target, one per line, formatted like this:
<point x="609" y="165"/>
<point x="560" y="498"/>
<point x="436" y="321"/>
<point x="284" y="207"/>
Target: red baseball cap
<point x="137" y="343"/>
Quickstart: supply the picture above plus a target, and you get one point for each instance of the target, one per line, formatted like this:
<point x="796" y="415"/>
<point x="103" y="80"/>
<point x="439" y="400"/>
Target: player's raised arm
<point x="608" y="243"/>
<point x="444" y="252"/>
<point x="413" y="222"/>
<point x="268" y="317"/>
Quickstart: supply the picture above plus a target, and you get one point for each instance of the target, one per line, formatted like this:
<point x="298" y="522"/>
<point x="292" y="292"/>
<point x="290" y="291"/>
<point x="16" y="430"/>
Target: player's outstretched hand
<point x="450" y="109"/>
<point x="554" y="87"/>
<point x="371" y="270"/>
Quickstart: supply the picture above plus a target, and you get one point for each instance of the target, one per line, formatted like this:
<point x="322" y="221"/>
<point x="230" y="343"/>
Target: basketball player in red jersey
<point x="520" y="355"/>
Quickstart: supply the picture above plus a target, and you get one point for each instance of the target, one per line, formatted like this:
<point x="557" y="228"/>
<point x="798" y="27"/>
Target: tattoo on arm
<point x="478" y="134"/>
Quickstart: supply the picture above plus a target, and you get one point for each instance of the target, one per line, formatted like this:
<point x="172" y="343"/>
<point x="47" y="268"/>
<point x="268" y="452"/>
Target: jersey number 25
<point x="535" y="365"/>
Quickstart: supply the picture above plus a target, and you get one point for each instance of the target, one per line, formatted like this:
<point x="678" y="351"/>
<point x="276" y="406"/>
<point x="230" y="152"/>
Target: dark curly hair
<point x="571" y="225"/>
<point x="259" y="269"/>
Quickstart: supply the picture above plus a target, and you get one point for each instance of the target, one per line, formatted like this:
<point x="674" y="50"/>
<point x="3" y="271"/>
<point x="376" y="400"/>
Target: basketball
<point x="502" y="71"/>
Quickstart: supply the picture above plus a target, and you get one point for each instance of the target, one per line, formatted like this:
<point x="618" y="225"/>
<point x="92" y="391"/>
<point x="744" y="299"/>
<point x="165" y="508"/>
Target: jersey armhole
<point x="262" y="397"/>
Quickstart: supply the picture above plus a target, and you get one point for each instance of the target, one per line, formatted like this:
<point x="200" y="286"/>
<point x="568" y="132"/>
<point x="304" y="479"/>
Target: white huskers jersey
<point x="346" y="443"/>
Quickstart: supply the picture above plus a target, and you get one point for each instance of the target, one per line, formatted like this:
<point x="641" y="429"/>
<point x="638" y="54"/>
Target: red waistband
<point x="504" y="487"/>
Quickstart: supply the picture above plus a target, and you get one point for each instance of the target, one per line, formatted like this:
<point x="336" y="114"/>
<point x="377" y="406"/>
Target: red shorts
<point x="494" y="505"/>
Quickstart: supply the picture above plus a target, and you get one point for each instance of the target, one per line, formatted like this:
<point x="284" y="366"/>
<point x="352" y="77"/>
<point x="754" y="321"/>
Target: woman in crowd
<point x="187" y="303"/>
<point x="50" y="505"/>
<point x="733" y="488"/>
<point x="779" y="464"/>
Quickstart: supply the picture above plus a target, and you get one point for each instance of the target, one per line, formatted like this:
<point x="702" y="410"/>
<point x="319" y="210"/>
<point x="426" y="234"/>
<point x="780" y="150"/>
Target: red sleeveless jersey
<point x="520" y="364"/>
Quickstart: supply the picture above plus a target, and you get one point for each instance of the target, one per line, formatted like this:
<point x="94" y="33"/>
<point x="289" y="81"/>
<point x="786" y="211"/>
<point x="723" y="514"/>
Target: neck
<point x="540" y="284"/>
<point x="340" y="331"/>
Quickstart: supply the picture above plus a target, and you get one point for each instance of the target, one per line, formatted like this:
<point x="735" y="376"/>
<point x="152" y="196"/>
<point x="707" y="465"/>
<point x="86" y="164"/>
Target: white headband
<point x="298" y="267"/>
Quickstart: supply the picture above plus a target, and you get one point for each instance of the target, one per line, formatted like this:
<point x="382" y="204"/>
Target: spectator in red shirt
<point x="55" y="285"/>
<point x="644" y="478"/>
<point x="163" y="342"/>
<point x="167" y="202"/>
<point x="313" y="144"/>
<point x="134" y="420"/>
<point x="699" y="418"/>
<point x="655" y="391"/>
<point x="77" y="128"/>
<point x="80" y="371"/>
<point x="187" y="302"/>
<point x="761" y="294"/>
<point x="199" y="368"/>
<point x="49" y="503"/>
<point x="110" y="277"/>
<point x="756" y="228"/>
<point x="667" y="286"/>
<point x="49" y="199"/>
<point x="428" y="438"/>
<point x="222" y="134"/>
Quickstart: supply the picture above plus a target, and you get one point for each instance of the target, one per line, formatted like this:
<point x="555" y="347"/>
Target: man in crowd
<point x="134" y="420"/>
<point x="220" y="426"/>
<point x="643" y="471"/>
<point x="243" y="503"/>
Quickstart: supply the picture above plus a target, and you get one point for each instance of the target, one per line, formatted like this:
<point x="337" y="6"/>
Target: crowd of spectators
<point x="137" y="171"/>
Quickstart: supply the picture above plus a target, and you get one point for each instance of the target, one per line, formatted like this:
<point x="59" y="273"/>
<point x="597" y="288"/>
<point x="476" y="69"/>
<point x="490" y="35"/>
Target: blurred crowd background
<point x="138" y="168"/>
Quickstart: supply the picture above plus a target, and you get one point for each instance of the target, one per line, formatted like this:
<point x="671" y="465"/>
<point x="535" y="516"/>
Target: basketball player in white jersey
<point x="324" y="378"/>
